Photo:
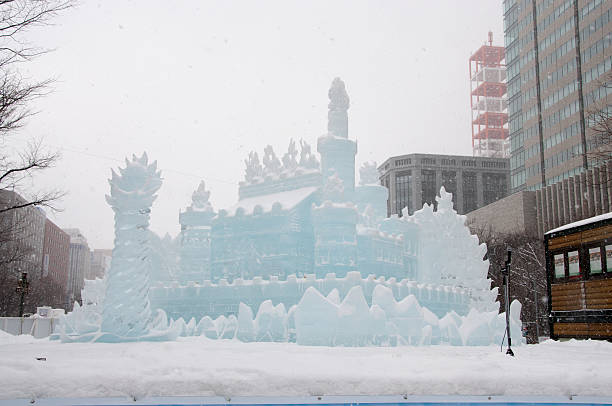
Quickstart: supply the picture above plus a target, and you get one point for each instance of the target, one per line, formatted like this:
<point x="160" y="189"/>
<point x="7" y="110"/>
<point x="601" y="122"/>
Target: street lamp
<point x="23" y="288"/>
<point x="506" y="273"/>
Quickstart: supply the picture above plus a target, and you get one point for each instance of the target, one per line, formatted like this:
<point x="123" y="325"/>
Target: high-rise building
<point x="100" y="263"/>
<point x="488" y="102"/>
<point x="415" y="179"/>
<point x="56" y="262"/>
<point x="556" y="56"/>
<point x="21" y="234"/>
<point x="80" y="262"/>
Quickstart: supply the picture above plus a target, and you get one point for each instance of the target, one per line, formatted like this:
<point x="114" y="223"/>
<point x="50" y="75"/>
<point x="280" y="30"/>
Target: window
<point x="403" y="184"/>
<point x="449" y="181"/>
<point x="494" y="187"/>
<point x="559" y="262"/>
<point x="573" y="263"/>
<point x="595" y="261"/>
<point x="428" y="187"/>
<point x="470" y="197"/>
<point x="428" y="161"/>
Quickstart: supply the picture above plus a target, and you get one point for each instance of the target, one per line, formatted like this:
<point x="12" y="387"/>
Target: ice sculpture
<point x="368" y="174"/>
<point x="336" y="149"/>
<point x="195" y="238"/>
<point x="254" y="170"/>
<point x="333" y="223"/>
<point x="290" y="162"/>
<point x="450" y="254"/>
<point x="83" y="322"/>
<point x="328" y="321"/>
<point x="308" y="226"/>
<point x="339" y="102"/>
<point x="307" y="159"/>
<point x="304" y="256"/>
<point x="124" y="313"/>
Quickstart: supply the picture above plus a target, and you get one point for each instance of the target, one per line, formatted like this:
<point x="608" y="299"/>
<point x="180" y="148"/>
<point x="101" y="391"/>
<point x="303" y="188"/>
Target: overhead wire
<point x="165" y="169"/>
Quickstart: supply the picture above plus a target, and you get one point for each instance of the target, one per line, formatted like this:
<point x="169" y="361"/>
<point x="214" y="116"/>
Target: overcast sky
<point x="199" y="84"/>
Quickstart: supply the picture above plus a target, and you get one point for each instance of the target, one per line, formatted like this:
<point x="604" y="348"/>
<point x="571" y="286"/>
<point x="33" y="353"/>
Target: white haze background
<point x="199" y="84"/>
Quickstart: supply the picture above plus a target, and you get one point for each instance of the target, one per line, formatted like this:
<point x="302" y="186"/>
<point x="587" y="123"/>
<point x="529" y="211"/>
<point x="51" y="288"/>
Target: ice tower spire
<point x="337" y="151"/>
<point x="339" y="103"/>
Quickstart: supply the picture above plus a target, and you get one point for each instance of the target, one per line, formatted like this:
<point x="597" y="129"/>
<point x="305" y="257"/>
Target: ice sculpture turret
<point x="339" y="102"/>
<point x="337" y="151"/>
<point x="334" y="225"/>
<point x="196" y="223"/>
<point x="370" y="196"/>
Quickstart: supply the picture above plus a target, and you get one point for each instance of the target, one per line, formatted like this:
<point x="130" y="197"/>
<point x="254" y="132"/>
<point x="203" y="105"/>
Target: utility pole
<point x="506" y="274"/>
<point x="535" y="303"/>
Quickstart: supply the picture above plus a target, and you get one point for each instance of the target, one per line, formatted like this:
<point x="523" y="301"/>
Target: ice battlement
<point x="373" y="232"/>
<point x="223" y="298"/>
<point x="285" y="181"/>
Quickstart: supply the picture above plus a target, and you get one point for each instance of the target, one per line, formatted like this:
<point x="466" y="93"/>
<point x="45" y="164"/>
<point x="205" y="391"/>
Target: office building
<point x="56" y="260"/>
<point x="556" y="58"/>
<point x="415" y="179"/>
<point x="21" y="234"/>
<point x="100" y="263"/>
<point x="80" y="262"/>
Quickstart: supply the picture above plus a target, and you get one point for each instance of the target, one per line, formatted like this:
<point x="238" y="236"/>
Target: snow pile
<point x="196" y="366"/>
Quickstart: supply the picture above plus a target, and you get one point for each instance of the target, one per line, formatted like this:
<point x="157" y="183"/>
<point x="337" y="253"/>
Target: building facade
<point x="415" y="179"/>
<point x="534" y="213"/>
<point x="56" y="259"/>
<point x="556" y="57"/>
<point x="21" y="234"/>
<point x="100" y="263"/>
<point x="80" y="262"/>
<point x="519" y="216"/>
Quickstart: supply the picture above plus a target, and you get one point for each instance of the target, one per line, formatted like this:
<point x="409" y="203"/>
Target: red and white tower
<point x="488" y="102"/>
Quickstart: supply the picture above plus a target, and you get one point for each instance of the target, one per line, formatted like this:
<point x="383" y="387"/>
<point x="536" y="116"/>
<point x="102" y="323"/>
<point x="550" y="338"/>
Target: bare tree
<point x="527" y="275"/>
<point x="17" y="17"/>
<point x="599" y="117"/>
<point x="16" y="94"/>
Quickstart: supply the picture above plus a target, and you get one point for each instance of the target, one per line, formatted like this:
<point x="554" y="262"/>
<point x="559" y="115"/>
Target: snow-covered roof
<point x="581" y="223"/>
<point x="287" y="200"/>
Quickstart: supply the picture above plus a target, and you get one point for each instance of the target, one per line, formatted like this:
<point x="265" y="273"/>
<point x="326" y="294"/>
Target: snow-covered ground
<point x="197" y="366"/>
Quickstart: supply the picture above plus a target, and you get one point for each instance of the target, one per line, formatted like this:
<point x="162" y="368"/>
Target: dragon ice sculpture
<point x="123" y="312"/>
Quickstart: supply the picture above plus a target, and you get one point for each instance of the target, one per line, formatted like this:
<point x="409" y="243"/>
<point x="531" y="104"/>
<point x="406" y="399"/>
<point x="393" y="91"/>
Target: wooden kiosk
<point x="579" y="273"/>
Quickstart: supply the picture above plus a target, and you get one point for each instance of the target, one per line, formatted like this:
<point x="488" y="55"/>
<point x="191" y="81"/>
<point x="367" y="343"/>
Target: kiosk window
<point x="573" y="261"/>
<point x="560" y="266"/>
<point x="595" y="260"/>
<point x="609" y="258"/>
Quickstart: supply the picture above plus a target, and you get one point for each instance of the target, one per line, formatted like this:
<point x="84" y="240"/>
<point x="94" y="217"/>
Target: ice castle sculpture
<point x="301" y="223"/>
<point x="304" y="256"/>
<point x="196" y="223"/>
<point x="123" y="312"/>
